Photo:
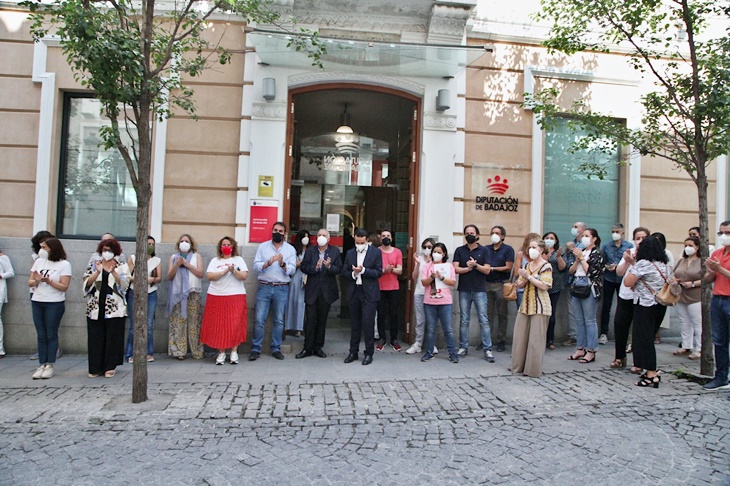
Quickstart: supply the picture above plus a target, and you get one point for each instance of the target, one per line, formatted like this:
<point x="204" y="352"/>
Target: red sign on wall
<point x="262" y="219"/>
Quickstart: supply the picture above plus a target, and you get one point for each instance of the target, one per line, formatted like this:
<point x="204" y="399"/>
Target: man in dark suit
<point x="362" y="268"/>
<point x="321" y="264"/>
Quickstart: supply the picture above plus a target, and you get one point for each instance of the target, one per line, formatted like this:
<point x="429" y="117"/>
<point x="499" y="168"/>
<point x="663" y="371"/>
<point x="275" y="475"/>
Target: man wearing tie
<point x="321" y="264"/>
<point x="362" y="268"/>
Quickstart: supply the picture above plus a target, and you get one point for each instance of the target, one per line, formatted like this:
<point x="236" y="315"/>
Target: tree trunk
<point x="707" y="361"/>
<point x="144" y="193"/>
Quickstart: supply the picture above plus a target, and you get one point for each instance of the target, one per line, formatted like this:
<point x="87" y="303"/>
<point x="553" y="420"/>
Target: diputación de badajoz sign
<point x="497" y="201"/>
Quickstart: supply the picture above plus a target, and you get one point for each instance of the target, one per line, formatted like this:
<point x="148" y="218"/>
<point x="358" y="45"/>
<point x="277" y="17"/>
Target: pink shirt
<point x="389" y="281"/>
<point x="722" y="283"/>
<point x="443" y="291"/>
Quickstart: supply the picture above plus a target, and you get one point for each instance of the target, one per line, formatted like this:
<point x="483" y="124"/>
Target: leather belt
<point x="273" y="284"/>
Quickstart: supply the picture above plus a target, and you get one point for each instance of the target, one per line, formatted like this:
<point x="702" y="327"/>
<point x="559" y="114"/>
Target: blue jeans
<point x="720" y="318"/>
<point x="47" y="318"/>
<point x="269" y="296"/>
<point x="435" y="313"/>
<point x="480" y="303"/>
<point x="151" y="306"/>
<point x="586" y="326"/>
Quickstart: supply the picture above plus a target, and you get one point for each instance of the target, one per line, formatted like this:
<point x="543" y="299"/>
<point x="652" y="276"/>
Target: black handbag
<point x="580" y="291"/>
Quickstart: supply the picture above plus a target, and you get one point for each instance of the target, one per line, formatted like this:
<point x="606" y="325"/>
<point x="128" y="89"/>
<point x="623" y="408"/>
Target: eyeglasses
<point x="726" y="233"/>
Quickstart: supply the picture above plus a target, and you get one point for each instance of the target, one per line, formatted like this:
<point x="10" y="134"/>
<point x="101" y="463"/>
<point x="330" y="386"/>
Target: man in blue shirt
<point x="577" y="230"/>
<point x="612" y="254"/>
<point x="275" y="262"/>
<point x="500" y="258"/>
<point x="470" y="264"/>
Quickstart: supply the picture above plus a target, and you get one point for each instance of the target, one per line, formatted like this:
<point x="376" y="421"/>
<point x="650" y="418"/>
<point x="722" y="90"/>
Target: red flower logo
<point x="498" y="186"/>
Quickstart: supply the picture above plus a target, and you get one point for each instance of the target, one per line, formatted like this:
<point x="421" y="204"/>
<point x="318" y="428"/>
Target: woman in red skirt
<point x="225" y="321"/>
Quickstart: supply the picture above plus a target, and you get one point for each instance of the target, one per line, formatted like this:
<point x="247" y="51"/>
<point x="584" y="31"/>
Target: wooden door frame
<point x="414" y="188"/>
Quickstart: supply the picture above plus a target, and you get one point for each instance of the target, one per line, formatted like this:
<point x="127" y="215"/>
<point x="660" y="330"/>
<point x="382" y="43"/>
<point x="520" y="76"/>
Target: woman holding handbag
<point x="647" y="277"/>
<point x="585" y="291"/>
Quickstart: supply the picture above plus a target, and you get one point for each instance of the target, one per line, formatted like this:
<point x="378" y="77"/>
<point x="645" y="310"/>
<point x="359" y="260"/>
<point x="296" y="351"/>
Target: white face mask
<point x="437" y="257"/>
<point x="574" y="231"/>
<point x="322" y="240"/>
<point x="724" y="240"/>
<point x="549" y="243"/>
<point x="426" y="251"/>
<point x="305" y="241"/>
<point x="496" y="238"/>
<point x="107" y="255"/>
<point x="534" y="253"/>
<point x="184" y="246"/>
<point x="616" y="236"/>
<point x="43" y="253"/>
<point x="690" y="250"/>
<point x="361" y="247"/>
<point x="585" y="241"/>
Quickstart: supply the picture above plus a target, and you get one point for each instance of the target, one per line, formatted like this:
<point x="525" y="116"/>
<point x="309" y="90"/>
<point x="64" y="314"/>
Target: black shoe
<point x="254" y="356"/>
<point x="277" y="355"/>
<point x="304" y="353"/>
<point x="367" y="360"/>
<point x="351" y="357"/>
<point x="480" y="346"/>
<point x="320" y="354"/>
<point x="500" y="346"/>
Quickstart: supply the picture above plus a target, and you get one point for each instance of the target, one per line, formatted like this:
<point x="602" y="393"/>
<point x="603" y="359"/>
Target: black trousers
<point x="622" y="324"/>
<point x="105" y="344"/>
<point x="315" y="323"/>
<point x="646" y="323"/>
<point x="609" y="288"/>
<point x="554" y="298"/>
<point x="388" y="310"/>
<point x="362" y="321"/>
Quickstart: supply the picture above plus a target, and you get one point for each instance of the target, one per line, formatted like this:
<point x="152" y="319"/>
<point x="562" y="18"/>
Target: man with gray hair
<point x="321" y="264"/>
<point x="612" y="251"/>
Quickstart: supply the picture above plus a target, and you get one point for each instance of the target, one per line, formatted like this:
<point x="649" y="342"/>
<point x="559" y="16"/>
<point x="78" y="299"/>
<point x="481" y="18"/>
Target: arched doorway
<point x="368" y="178"/>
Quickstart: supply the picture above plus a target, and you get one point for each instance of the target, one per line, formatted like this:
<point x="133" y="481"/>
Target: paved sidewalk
<point x="319" y="421"/>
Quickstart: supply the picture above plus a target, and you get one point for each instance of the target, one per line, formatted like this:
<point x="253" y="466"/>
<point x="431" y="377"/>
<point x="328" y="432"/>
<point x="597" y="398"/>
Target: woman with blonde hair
<point x="185" y="270"/>
<point x="528" y="343"/>
<point x="521" y="260"/>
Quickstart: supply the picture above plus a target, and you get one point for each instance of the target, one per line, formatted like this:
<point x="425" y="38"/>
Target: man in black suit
<point x="321" y="264"/>
<point x="362" y="268"/>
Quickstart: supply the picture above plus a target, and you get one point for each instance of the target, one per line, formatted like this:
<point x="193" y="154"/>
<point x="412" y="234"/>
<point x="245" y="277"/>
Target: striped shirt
<point x="537" y="301"/>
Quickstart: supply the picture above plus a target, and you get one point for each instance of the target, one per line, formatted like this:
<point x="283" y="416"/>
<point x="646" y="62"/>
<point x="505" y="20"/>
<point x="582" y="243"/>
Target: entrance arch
<point x="387" y="129"/>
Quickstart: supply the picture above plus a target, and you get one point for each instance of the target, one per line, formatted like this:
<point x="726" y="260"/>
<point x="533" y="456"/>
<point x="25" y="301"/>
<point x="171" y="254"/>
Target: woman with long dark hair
<point x="154" y="276"/>
<point x="49" y="277"/>
<point x="438" y="278"/>
<point x="647" y="277"/>
<point x="554" y="256"/>
<point x="587" y="270"/>
<point x="294" y="320"/>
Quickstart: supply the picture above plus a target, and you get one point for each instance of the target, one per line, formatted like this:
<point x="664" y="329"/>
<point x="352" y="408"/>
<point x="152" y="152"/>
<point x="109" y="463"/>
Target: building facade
<point x="431" y="91"/>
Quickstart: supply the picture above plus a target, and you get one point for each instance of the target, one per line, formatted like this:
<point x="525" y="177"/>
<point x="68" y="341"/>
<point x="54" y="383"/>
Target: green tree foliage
<point x="685" y="119"/>
<point x="135" y="56"/>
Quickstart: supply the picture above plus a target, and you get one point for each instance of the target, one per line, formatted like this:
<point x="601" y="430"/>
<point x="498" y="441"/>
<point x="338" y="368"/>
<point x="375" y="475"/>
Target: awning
<point x="388" y="58"/>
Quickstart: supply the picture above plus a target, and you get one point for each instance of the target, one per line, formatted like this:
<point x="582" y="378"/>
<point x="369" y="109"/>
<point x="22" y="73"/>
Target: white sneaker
<point x="415" y="348"/>
<point x="234" y="357"/>
<point x="603" y="339"/>
<point x="220" y="359"/>
<point x="39" y="372"/>
<point x="435" y="350"/>
<point x="462" y="352"/>
<point x="47" y="372"/>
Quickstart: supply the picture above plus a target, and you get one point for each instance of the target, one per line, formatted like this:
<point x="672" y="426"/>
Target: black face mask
<point x="277" y="237"/>
<point x="471" y="239"/>
<point x="386" y="241"/>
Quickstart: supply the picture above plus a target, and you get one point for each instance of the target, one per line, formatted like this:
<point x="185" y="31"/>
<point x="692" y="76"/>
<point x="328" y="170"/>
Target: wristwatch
<point x="693" y="284"/>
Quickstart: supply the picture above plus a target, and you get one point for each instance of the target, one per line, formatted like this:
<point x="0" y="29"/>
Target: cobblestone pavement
<point x="577" y="427"/>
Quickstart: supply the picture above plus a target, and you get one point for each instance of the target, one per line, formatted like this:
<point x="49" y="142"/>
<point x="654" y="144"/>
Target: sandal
<point x="110" y="373"/>
<point x="573" y="356"/>
<point x="585" y="360"/>
<point x="649" y="381"/>
<point x="695" y="355"/>
<point x="618" y="363"/>
<point x="181" y="358"/>
<point x="629" y="349"/>
<point x="680" y="352"/>
<point x="635" y="370"/>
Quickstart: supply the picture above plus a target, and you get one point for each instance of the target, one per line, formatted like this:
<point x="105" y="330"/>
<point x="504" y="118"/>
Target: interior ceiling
<point x="377" y="115"/>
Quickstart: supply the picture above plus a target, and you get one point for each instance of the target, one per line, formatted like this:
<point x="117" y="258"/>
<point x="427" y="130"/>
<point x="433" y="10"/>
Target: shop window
<point x="96" y="193"/>
<point x="569" y="195"/>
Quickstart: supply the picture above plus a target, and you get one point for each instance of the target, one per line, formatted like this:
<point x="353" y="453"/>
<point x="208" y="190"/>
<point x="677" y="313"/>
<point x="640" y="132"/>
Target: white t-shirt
<point x="152" y="263"/>
<point x="53" y="270"/>
<point x="228" y="284"/>
<point x="419" y="285"/>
